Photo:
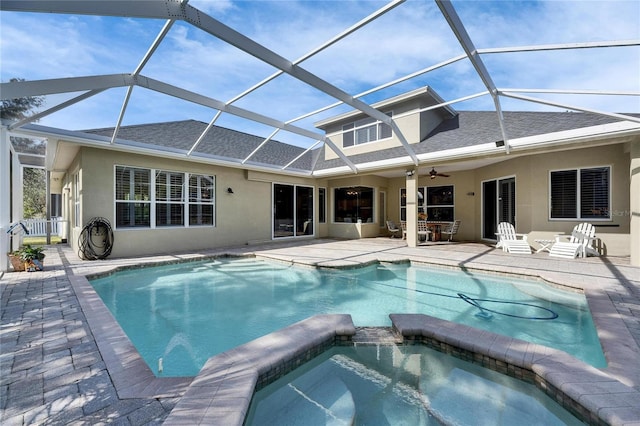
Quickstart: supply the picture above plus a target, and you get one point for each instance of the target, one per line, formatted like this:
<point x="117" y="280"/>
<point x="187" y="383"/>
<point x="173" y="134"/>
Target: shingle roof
<point x="467" y="129"/>
<point x="219" y="142"/>
<point x="471" y="128"/>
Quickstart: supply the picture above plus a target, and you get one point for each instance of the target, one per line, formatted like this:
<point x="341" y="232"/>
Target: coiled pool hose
<point x="96" y="239"/>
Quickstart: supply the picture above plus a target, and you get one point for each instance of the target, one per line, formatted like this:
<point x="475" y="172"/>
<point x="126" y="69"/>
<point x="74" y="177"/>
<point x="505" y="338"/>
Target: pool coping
<point x="132" y="378"/>
<point x="587" y="392"/>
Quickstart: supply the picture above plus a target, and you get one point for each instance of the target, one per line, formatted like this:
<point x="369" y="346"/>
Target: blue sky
<point x="411" y="37"/>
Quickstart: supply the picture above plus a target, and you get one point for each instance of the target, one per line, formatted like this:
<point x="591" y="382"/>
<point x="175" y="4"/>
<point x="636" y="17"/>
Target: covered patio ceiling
<point x="480" y="72"/>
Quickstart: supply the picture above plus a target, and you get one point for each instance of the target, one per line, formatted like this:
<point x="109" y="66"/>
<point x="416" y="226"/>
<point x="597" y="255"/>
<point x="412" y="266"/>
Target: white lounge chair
<point x="403" y="225"/>
<point x="393" y="229"/>
<point x="576" y="244"/>
<point x="451" y="229"/>
<point x="510" y="241"/>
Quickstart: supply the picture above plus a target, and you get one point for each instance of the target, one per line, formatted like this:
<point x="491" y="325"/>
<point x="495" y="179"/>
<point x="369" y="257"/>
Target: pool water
<point x="400" y="385"/>
<point x="189" y="312"/>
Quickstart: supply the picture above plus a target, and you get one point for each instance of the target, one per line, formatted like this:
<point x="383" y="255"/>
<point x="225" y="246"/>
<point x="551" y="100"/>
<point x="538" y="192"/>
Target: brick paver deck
<point x="52" y="370"/>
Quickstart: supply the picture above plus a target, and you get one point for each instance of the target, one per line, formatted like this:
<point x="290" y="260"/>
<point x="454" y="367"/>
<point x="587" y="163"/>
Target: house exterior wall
<point x="532" y="193"/>
<point x="464" y="204"/>
<point x="355" y="230"/>
<point x="241" y="218"/>
<point x="415" y="127"/>
<point x="245" y="216"/>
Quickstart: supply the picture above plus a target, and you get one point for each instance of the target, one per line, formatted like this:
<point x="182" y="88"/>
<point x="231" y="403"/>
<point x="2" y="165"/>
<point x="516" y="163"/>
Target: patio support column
<point x="634" y="203"/>
<point x="5" y="194"/>
<point x="412" y="208"/>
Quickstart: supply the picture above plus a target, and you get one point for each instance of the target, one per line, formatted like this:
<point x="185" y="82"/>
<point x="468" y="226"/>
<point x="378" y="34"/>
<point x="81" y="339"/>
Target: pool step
<point x="314" y="399"/>
<point x="376" y="335"/>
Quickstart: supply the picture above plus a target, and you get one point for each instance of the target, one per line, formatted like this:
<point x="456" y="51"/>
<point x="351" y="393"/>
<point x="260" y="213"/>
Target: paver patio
<point x="52" y="370"/>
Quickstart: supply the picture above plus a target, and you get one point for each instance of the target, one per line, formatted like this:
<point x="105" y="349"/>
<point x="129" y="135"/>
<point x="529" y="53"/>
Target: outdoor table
<point x="546" y="245"/>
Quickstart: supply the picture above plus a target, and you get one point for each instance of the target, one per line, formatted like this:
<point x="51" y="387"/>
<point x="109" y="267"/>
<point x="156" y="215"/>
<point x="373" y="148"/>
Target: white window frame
<point x="322" y="205"/>
<point x="365" y="125"/>
<point x="579" y="195"/>
<point x="76" y="199"/>
<point x="169" y="200"/>
<point x="200" y="200"/>
<point x="185" y="199"/>
<point x="422" y="203"/>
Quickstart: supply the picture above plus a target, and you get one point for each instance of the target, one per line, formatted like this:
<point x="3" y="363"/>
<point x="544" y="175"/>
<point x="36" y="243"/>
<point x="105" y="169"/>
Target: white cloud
<point x="409" y="38"/>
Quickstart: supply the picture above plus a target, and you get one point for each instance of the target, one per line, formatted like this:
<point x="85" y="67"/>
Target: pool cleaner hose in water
<point x="96" y="239"/>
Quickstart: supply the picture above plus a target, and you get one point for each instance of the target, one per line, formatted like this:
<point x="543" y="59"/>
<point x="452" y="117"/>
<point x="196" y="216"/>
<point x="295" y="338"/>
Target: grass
<point x="40" y="241"/>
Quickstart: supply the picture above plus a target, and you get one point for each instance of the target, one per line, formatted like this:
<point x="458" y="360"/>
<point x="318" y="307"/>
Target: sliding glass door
<point x="292" y="210"/>
<point x="498" y="205"/>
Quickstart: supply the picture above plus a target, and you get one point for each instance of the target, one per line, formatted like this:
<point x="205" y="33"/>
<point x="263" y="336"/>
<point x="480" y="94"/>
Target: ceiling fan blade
<point x="442" y="175"/>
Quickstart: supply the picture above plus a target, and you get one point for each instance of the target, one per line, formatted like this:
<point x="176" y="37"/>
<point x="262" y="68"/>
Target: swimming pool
<point x="400" y="385"/>
<point x="179" y="315"/>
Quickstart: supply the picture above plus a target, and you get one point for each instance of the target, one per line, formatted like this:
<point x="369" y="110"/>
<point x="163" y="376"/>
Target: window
<point x="169" y="198"/>
<point x="137" y="196"/>
<point x="201" y="200"/>
<point x="580" y="193"/>
<point x="353" y="204"/>
<point x="133" y="197"/>
<point x="322" y="201"/>
<point x="76" y="200"/>
<point x="366" y="130"/>
<point x="437" y="205"/>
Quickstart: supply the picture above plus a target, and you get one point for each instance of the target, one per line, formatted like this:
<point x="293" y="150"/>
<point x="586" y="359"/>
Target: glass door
<point x="498" y="205"/>
<point x="292" y="210"/>
<point x="507" y="201"/>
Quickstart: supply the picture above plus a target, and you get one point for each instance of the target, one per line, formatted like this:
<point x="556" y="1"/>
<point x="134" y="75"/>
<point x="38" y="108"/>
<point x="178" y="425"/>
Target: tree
<point x="34" y="196"/>
<point x="34" y="179"/>
<point x="16" y="109"/>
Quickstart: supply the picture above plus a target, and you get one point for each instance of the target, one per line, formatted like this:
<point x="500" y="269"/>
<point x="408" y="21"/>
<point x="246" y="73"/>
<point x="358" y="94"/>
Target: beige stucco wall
<point x="465" y="208"/>
<point x="242" y="217"/>
<point x="532" y="193"/>
<point x="355" y="230"/>
<point x="415" y="127"/>
<point x="245" y="216"/>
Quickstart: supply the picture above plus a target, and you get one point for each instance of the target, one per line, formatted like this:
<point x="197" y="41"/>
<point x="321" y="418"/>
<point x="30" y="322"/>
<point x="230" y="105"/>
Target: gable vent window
<point x="580" y="193"/>
<point x="364" y="131"/>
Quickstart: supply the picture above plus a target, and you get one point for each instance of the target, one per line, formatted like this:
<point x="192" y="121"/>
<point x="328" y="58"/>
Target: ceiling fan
<point x="434" y="174"/>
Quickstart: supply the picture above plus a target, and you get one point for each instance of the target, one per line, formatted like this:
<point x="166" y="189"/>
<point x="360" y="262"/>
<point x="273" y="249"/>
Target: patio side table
<point x="546" y="245"/>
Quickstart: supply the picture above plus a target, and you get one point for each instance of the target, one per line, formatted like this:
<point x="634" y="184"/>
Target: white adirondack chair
<point x="510" y="241"/>
<point x="576" y="244"/>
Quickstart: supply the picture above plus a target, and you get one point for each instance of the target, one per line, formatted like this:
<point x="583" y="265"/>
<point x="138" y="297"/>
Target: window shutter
<point x="564" y="193"/>
<point x="594" y="193"/>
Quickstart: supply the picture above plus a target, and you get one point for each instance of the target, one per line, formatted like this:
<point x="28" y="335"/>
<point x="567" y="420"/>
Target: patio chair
<point x="565" y="250"/>
<point x="510" y="241"/>
<point x="423" y="230"/>
<point x="393" y="229"/>
<point x="403" y="225"/>
<point x="451" y="229"/>
<point x="578" y="243"/>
